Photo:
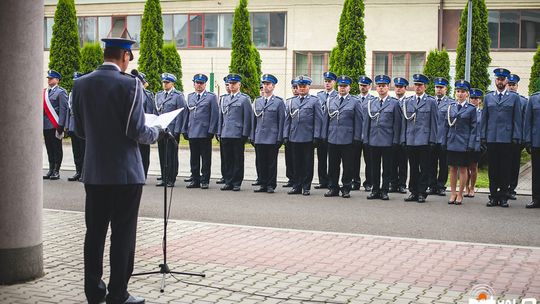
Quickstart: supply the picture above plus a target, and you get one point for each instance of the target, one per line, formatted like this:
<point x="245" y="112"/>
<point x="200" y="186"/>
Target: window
<point x="180" y="30"/>
<point x="394" y="64"/>
<point x="225" y="30"/>
<point x="134" y="29"/>
<point x="87" y="30"/>
<point x="268" y="29"/>
<point x="196" y="23"/>
<point x="47" y="27"/>
<point x="104" y="27"/>
<point x="312" y="64"/>
<point x="199" y="30"/>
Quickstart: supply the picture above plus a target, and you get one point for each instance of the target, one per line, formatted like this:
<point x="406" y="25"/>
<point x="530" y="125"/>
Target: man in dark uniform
<point x="322" y="148"/>
<point x="500" y="129"/>
<point x="267" y="133"/>
<point x="107" y="105"/>
<point x="289" y="168"/>
<point x="532" y="144"/>
<point x="169" y="100"/>
<point x="222" y="159"/>
<point x="200" y="128"/>
<point x="513" y="81"/>
<point x="149" y="107"/>
<point x="234" y="128"/>
<point x="303" y="129"/>
<point x="77" y="144"/>
<point x="55" y="108"/>
<point x="398" y="182"/>
<point x="364" y="83"/>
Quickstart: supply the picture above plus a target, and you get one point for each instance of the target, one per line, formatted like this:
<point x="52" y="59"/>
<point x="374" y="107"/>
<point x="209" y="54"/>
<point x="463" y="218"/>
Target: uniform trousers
<point x="289" y="168"/>
<point x="200" y="151"/>
<point x="78" y="146"/>
<point x="54" y="148"/>
<point x="145" y="156"/>
<point x="322" y="162"/>
<point x="535" y="159"/>
<point x="119" y="206"/>
<point x="368" y="180"/>
<point x="419" y="162"/>
<point x="516" y="164"/>
<point x="267" y="155"/>
<point x="378" y="155"/>
<point x="499" y="166"/>
<point x="222" y="159"/>
<point x="303" y="164"/>
<point x="340" y="155"/>
<point x="168" y="150"/>
<point x="439" y="165"/>
<point x="233" y="158"/>
<point x="399" y="167"/>
<point x="356" y="159"/>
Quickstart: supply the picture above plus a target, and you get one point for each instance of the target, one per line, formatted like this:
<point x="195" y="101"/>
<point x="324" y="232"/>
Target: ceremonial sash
<point x="49" y="109"/>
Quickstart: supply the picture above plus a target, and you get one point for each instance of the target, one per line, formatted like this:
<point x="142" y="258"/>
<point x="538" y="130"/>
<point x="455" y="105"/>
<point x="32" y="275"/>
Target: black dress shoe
<point x="270" y="190"/>
<point x="411" y="198"/>
<point x="492" y="202"/>
<point x="256" y="183"/>
<point x="74" y="177"/>
<point x="305" y="193"/>
<point x="533" y="204"/>
<point x="321" y="186"/>
<point x="55" y="175"/>
<point x="134" y="300"/>
<point x="261" y="189"/>
<point x="220" y="181"/>
<point x="188" y="179"/>
<point x="355" y="187"/>
<point x="193" y="184"/>
<point x="384" y="196"/>
<point x="159" y="178"/>
<point x="295" y="191"/>
<point x="401" y="189"/>
<point x="226" y="187"/>
<point x="204" y="185"/>
<point x="288" y="184"/>
<point x="421" y="199"/>
<point x="236" y="188"/>
<point x="504" y="204"/>
<point x="160" y="184"/>
<point x="170" y="184"/>
<point x="512" y="196"/>
<point x="368" y="188"/>
<point x="393" y="190"/>
<point x="432" y="191"/>
<point x="331" y="193"/>
<point x="346" y="194"/>
<point x="374" y="195"/>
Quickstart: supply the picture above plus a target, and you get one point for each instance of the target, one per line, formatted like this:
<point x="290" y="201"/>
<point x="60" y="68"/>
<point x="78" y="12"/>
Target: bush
<point x="534" y="81"/>
<point x="173" y="64"/>
<point x="437" y="65"/>
<point x="91" y="57"/>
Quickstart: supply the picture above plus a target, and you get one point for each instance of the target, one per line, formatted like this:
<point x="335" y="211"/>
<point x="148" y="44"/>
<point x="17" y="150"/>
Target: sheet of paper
<point x="162" y="120"/>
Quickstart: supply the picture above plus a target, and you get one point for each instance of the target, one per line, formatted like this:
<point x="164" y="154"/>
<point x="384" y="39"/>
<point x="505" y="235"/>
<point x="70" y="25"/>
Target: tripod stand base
<point x="165" y="270"/>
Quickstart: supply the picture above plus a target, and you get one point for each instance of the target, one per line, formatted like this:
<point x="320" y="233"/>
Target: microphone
<point x="134" y="72"/>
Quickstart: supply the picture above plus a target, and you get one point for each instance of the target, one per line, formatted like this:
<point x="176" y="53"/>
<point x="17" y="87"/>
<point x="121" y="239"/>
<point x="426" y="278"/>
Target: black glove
<point x="403" y="144"/>
<point x="176" y="137"/>
<point x="443" y="147"/>
<point x="470" y="149"/>
<point x="483" y="148"/>
<point x="432" y="145"/>
<point x="528" y="148"/>
<point x="244" y="139"/>
<point x="357" y="143"/>
<point x="217" y="138"/>
<point x="186" y="137"/>
<point x="210" y="135"/>
<point x="316" y="141"/>
<point x="279" y="143"/>
<point x="515" y="141"/>
<point x="60" y="129"/>
<point x="252" y="143"/>
<point x="285" y="140"/>
<point x="483" y="141"/>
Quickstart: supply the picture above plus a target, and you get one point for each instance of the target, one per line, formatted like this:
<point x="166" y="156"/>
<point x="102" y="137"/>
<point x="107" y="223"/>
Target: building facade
<point x="296" y="36"/>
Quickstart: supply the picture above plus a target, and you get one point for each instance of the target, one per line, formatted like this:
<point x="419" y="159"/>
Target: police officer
<point x="222" y="160"/>
<point x="108" y="111"/>
<point x="149" y="107"/>
<point x="382" y="131"/>
<point x="303" y="129"/>
<point x="438" y="161"/>
<point x="267" y="133"/>
<point x="513" y="81"/>
<point x="55" y="108"/>
<point x="342" y="130"/>
<point x="419" y="134"/>
<point x="77" y="143"/>
<point x="398" y="182"/>
<point x="532" y="144"/>
<point x="200" y="127"/>
<point x="475" y="156"/>
<point x="257" y="182"/>
<point x="364" y="83"/>
<point x="234" y="128"/>
<point x="289" y="168"/>
<point x="322" y="148"/>
<point x="169" y="100"/>
<point x="501" y="130"/>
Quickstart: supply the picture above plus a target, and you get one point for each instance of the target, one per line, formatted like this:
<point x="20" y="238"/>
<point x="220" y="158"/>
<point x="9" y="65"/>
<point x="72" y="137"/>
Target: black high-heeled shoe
<point x="451" y="202"/>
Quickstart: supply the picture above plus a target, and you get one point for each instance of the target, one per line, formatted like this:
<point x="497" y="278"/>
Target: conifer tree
<point x="151" y="50"/>
<point x="437" y="65"/>
<point x="173" y="64"/>
<point x="91" y="57"/>
<point x="534" y="80"/>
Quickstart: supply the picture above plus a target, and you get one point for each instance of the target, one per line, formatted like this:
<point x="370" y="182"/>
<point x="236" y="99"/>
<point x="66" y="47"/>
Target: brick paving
<point x="299" y="265"/>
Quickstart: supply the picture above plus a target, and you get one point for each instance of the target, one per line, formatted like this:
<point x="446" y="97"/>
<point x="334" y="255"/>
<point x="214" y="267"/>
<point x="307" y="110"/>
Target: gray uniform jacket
<point x="478" y="123"/>
<point x="149" y="104"/>
<point x="203" y="115"/>
<point x="235" y="116"/>
<point x="462" y="135"/>
<point x="69" y="123"/>
<point x="303" y="121"/>
<point x="268" y="120"/>
<point x="108" y="111"/>
<point x="342" y="120"/>
<point x="175" y="100"/>
<point x="59" y="100"/>
<point x="502" y="121"/>
<point x="442" y="108"/>
<point x="420" y="123"/>
<point x="324" y="100"/>
<point x="532" y="121"/>
<point x="383" y="126"/>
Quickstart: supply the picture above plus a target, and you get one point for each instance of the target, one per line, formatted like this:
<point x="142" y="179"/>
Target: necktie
<point x="265" y="101"/>
<point x="417" y="100"/>
<point x="500" y="96"/>
<point x="381" y="101"/>
<point x="363" y="98"/>
<point x="438" y="101"/>
<point x="301" y="99"/>
<point x="166" y="95"/>
<point x="340" y="100"/>
<point x="327" y="95"/>
<point x="459" y="107"/>
<point x="198" y="97"/>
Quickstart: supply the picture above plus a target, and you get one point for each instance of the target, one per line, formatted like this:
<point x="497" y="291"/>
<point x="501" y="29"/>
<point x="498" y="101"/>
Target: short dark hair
<point x="113" y="53"/>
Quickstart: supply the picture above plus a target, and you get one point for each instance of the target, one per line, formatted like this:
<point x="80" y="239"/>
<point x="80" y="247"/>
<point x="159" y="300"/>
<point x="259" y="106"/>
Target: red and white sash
<point x="49" y="109"/>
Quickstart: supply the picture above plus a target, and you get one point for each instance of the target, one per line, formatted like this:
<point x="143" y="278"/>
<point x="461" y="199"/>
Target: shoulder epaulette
<point x="209" y="93"/>
<point x="128" y="74"/>
<point x="277" y="97"/>
<point x="535" y="93"/>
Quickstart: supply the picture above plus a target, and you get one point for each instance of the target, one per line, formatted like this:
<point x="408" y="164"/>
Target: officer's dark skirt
<point x="267" y="165"/>
<point x="499" y="166"/>
<point x="78" y="146"/>
<point x="474" y="157"/>
<point x="233" y="160"/>
<point x="201" y="151"/>
<point x="419" y="163"/>
<point x="169" y="150"/>
<point x="303" y="164"/>
<point x="54" y="147"/>
<point x="458" y="159"/>
<point x="535" y="158"/>
<point x="338" y="154"/>
<point x="119" y="206"/>
<point x="378" y="154"/>
<point x="145" y="156"/>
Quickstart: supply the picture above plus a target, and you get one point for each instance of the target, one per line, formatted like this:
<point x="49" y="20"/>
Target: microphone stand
<point x="164" y="267"/>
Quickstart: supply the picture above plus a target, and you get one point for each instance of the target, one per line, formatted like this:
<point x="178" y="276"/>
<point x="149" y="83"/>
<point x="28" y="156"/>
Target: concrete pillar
<point x="21" y="185"/>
